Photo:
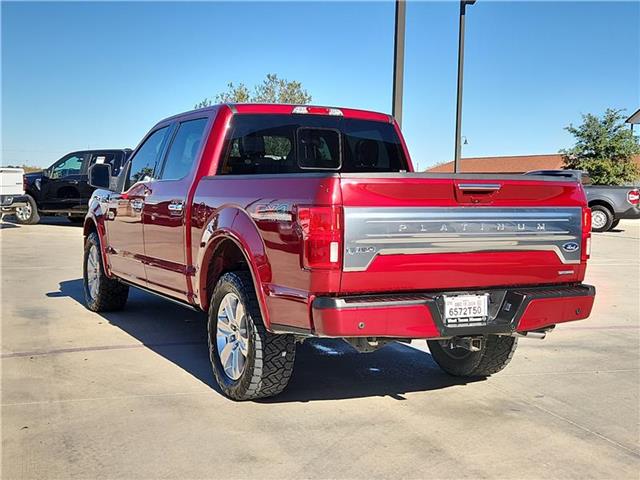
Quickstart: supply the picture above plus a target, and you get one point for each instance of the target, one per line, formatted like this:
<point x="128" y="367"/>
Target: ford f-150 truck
<point x="290" y="222"/>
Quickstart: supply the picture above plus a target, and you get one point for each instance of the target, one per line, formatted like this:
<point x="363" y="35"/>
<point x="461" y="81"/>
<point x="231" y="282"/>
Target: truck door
<point x="165" y="209"/>
<point x="125" y="243"/>
<point x="61" y="183"/>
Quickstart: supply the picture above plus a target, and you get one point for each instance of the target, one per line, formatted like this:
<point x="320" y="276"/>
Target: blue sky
<point x="78" y="75"/>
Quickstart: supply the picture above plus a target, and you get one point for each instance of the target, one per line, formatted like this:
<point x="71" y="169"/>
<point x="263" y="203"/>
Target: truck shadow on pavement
<point x="325" y="369"/>
<point x="58" y="221"/>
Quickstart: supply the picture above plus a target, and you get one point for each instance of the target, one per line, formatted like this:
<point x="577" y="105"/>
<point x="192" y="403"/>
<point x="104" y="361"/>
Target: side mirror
<point x="100" y="175"/>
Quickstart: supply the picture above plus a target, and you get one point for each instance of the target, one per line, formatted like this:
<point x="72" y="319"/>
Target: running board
<point x="161" y="295"/>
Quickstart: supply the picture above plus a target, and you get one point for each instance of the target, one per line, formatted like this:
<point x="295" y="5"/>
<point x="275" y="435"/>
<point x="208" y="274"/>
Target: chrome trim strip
<point x="479" y="187"/>
<point x="373" y="231"/>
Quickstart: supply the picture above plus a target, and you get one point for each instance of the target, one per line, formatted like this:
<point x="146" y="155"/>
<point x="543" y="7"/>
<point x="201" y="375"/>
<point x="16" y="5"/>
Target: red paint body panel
<point x="172" y="254"/>
<point x="543" y="313"/>
<point x="413" y="321"/>
<point x="451" y="271"/>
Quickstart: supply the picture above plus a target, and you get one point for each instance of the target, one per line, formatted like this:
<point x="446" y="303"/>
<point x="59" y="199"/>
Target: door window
<point x="70" y="165"/>
<point x="143" y="163"/>
<point x="184" y="149"/>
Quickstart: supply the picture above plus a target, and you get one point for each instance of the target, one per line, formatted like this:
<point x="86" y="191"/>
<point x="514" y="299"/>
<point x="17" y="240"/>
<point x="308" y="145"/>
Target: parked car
<point x="609" y="204"/>
<point x="11" y="189"/>
<point x="62" y="189"/>
<point x="286" y="223"/>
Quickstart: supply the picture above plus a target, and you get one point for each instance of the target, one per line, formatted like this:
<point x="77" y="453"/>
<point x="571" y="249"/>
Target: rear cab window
<point x="272" y="144"/>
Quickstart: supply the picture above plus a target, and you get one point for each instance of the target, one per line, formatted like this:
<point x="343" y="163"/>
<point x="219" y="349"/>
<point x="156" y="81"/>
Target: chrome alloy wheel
<point x="24" y="213"/>
<point x="93" y="271"/>
<point x="232" y="336"/>
<point x="598" y="219"/>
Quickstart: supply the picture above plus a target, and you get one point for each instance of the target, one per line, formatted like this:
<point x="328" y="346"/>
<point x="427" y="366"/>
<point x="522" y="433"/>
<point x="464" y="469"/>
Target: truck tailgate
<point x="440" y="232"/>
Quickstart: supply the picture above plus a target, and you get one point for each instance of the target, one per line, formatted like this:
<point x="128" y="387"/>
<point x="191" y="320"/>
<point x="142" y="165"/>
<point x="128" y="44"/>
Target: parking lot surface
<point x="131" y="394"/>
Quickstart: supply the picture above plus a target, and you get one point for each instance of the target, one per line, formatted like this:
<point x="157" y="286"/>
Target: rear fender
<point x="234" y="224"/>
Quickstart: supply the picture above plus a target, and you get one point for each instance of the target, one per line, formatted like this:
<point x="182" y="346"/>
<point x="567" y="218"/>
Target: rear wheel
<point x="101" y="293"/>
<point x="614" y="224"/>
<point x="601" y="218"/>
<point x="494" y="355"/>
<point x="28" y="215"/>
<point x="248" y="362"/>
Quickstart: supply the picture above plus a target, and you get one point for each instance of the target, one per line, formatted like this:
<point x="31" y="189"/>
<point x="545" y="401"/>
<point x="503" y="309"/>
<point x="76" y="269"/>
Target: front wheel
<point x="101" y="293"/>
<point x="28" y="215"/>
<point x="494" y="355"/>
<point x="248" y="362"/>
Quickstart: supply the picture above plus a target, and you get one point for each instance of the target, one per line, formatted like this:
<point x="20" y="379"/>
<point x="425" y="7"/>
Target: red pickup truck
<point x="291" y="222"/>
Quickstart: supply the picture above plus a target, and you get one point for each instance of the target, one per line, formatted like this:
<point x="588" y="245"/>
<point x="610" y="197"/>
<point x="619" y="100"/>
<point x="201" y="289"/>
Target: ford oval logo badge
<point x="570" y="247"/>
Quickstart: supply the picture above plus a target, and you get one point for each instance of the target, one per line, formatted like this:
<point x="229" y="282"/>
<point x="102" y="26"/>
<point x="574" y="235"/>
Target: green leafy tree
<point x="604" y="147"/>
<point x="273" y="89"/>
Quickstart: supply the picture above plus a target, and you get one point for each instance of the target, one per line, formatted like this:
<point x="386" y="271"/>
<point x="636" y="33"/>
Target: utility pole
<point x="463" y="11"/>
<point x="398" y="61"/>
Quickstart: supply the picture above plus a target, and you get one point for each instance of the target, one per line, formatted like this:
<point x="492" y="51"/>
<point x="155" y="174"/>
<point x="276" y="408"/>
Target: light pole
<point x="398" y="61"/>
<point x="463" y="11"/>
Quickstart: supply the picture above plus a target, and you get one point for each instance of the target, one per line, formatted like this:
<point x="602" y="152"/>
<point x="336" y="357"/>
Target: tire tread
<point x="112" y="294"/>
<point x="270" y="371"/>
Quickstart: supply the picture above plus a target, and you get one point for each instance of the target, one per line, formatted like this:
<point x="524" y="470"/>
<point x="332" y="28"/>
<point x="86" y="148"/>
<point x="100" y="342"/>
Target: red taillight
<point x="321" y="229"/>
<point x="586" y="234"/>
<point x="633" y="196"/>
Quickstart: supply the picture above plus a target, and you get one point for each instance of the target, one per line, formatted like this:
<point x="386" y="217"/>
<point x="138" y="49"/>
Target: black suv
<point x="62" y="189"/>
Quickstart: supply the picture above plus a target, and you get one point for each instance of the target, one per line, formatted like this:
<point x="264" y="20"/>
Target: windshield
<point x="267" y="144"/>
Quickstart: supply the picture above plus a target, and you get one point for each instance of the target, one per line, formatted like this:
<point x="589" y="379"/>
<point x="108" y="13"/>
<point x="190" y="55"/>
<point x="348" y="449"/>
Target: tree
<point x="604" y="147"/>
<point x="272" y="90"/>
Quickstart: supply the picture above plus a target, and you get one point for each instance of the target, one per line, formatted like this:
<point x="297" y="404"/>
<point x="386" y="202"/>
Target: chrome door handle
<point x="137" y="204"/>
<point x="175" y="207"/>
<point x="479" y="187"/>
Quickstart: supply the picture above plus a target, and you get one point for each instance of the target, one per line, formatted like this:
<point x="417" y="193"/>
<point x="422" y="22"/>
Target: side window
<point x="144" y="161"/>
<point x="70" y="165"/>
<point x="183" y="150"/>
<point x="103" y="157"/>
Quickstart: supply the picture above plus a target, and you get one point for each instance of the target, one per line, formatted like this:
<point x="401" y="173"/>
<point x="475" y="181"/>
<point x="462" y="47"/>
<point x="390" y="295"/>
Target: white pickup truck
<point x="12" y="197"/>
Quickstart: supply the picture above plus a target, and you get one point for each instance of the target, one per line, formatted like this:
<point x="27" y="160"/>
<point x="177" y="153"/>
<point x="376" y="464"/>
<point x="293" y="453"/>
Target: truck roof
<point x="288" y="109"/>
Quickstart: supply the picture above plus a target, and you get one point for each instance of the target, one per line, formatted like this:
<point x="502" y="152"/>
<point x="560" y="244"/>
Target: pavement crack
<point x="618" y="445"/>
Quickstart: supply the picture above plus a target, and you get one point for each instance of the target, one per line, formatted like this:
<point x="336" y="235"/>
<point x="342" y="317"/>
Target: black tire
<point x="110" y="294"/>
<point x="30" y="215"/>
<point x="614" y="224"/>
<point x="600" y="211"/>
<point x="269" y="361"/>
<point x="495" y="355"/>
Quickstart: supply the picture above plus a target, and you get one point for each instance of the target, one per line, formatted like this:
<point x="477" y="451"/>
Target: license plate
<point x="466" y="307"/>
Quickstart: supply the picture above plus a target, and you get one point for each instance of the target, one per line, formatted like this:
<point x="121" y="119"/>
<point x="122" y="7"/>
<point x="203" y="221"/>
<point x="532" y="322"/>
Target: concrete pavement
<point x="131" y="394"/>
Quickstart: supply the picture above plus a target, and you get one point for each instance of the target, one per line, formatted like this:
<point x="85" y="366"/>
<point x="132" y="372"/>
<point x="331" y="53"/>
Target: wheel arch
<point x="231" y="242"/>
<point x="95" y="224"/>
<point x="603" y="203"/>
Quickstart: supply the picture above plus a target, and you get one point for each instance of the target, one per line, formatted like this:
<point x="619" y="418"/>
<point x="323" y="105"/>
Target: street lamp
<point x="398" y="61"/>
<point x="463" y="11"/>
